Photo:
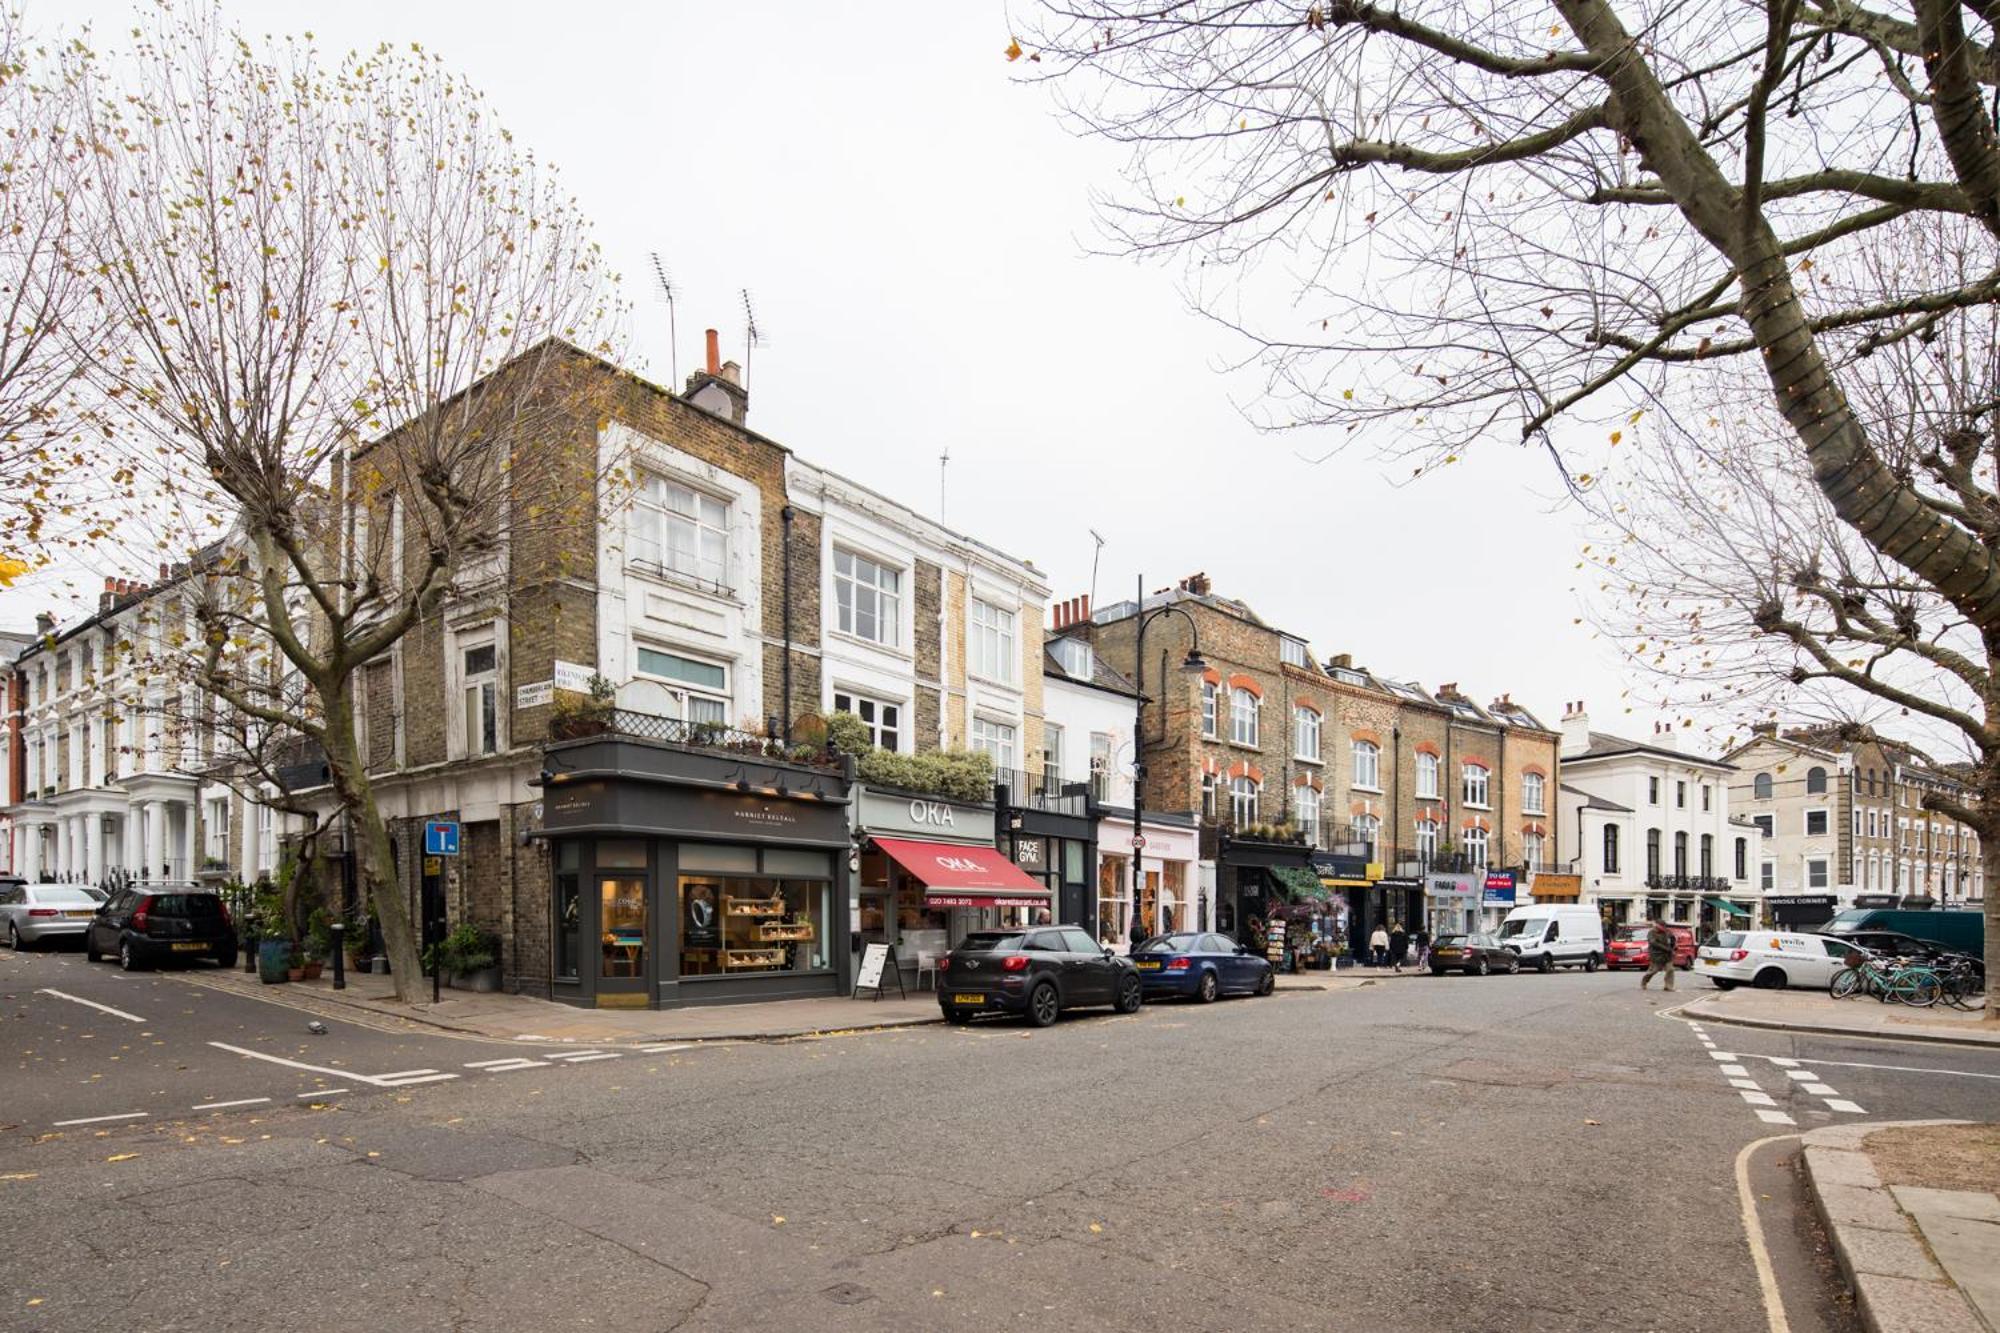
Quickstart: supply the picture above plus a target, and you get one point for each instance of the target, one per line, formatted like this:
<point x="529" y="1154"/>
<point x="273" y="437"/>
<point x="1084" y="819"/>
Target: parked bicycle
<point x="1897" y="979"/>
<point x="1962" y="979"/>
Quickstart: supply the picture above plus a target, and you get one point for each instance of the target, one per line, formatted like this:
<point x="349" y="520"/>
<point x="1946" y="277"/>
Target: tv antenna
<point x="1097" y="551"/>
<point x="753" y="334"/>
<point x="666" y="282"/>
<point x="944" y="461"/>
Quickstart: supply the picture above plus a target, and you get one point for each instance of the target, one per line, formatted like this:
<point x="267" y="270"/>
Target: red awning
<point x="955" y="875"/>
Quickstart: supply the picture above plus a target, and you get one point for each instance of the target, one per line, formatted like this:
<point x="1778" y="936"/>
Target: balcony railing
<point x="1689" y="884"/>
<point x="1408" y="862"/>
<point x="624" y="724"/>
<point x="1041" y="790"/>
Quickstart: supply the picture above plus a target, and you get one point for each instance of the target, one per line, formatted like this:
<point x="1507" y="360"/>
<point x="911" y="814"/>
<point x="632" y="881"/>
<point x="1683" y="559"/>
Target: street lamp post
<point x="1192" y="665"/>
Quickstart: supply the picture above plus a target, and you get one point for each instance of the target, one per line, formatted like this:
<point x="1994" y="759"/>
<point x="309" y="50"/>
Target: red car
<point x="1627" y="946"/>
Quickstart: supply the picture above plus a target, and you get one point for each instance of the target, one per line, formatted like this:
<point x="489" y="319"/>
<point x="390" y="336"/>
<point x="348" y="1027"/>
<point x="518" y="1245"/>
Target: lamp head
<point x="1194" y="664"/>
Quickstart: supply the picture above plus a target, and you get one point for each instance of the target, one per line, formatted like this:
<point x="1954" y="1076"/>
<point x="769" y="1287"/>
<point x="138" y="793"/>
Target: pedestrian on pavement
<point x="1378" y="945"/>
<point x="1399" y="944"/>
<point x="1423" y="946"/>
<point x="1659" y="954"/>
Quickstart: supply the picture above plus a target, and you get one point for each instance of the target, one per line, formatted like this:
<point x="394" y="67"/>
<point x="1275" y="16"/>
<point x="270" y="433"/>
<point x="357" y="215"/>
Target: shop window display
<point x="736" y="924"/>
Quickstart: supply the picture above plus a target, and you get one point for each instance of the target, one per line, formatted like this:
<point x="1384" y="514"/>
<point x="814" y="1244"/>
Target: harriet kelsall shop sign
<point x="596" y="806"/>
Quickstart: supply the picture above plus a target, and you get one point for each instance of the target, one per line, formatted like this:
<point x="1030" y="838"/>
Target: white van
<point x="1555" y="935"/>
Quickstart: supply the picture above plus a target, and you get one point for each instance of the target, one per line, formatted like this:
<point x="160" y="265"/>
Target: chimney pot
<point x="1084" y="614"/>
<point x="714" y="352"/>
<point x="731" y="373"/>
<point x="110" y="584"/>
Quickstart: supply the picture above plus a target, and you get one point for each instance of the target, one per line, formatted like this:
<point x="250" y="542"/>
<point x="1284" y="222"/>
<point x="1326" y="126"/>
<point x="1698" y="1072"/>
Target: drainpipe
<point x="785" y="517"/>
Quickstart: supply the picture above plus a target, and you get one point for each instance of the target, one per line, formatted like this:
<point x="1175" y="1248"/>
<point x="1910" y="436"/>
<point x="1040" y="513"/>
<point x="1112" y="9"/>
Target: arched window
<point x="1680" y="853"/>
<point x="1531" y="793"/>
<point x="1242" y="801"/>
<point x="1760" y="786"/>
<point x="1305" y="733"/>
<point x="1368" y="765"/>
<point x="1243" y="707"/>
<point x="1427" y="841"/>
<point x="1815" y="782"/>
<point x="1652" y="853"/>
<point x="1610" y="849"/>
<point x="1208" y="722"/>
<point x="1368" y="829"/>
<point x="1305" y="808"/>
<point x="1531" y="851"/>
<point x="1475" y="847"/>
<point x="1427" y="775"/>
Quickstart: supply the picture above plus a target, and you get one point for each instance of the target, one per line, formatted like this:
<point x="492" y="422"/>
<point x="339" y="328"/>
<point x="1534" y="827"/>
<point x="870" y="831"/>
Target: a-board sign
<point x="872" y="959"/>
<point x="1274" y="941"/>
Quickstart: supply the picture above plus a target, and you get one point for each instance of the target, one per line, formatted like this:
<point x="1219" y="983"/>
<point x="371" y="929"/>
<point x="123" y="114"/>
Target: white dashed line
<point x="1837" y="1104"/>
<point x="662" y="1050"/>
<point x="507" y="1066"/>
<point x="92" y="1004"/>
<point x="1782" y="1062"/>
<point x="1735" y="1071"/>
<point x="1775" y="1118"/>
<point x="1817" y="1090"/>
<point x="601" y="1055"/>
<point x="1802" y="1075"/>
<point x="100" y="1119"/>
<point x="241" y="1101"/>
<point x="1749" y="1083"/>
<point x="1723" y="1055"/>
<point x="298" y="1064"/>
<point x="1757" y="1098"/>
<point x="323" y="1092"/>
<point x="413" y="1082"/>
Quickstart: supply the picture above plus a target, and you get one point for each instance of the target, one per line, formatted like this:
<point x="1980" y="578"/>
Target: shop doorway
<point x="621" y="931"/>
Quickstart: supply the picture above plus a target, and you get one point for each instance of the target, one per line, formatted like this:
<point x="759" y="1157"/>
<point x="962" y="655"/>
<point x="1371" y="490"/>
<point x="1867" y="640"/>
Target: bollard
<point x="339" y="957"/>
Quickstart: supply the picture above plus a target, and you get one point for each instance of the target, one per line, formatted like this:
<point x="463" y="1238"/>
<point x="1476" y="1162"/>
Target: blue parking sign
<point x="441" y="837"/>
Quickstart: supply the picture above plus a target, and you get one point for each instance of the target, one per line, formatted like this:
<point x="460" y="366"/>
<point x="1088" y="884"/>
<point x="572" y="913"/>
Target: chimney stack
<point x="45" y="624"/>
<point x="1344" y="661"/>
<point x="1575" y="730"/>
<point x="718" y="387"/>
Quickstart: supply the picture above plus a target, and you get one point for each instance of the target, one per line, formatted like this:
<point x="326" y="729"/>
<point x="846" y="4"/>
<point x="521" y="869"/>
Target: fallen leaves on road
<point x="20" y="1175"/>
<point x="1593" y="1122"/>
<point x="1096" y="1227"/>
<point x="121" y="1157"/>
<point x="777" y="1219"/>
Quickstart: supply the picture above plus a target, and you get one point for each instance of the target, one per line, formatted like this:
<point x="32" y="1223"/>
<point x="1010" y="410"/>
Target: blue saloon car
<point x="1201" y="965"/>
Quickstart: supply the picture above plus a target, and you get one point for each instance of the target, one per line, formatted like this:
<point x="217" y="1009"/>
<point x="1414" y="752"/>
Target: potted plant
<point x="355" y="938"/>
<point x="318" y="943"/>
<point x="469" y="956"/>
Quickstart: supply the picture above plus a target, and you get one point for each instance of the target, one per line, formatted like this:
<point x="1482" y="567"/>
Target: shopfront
<point x="1169" y="894"/>
<point x="679" y="878"/>
<point x="1801" y="911"/>
<point x="1452" y="902"/>
<point x="929" y="874"/>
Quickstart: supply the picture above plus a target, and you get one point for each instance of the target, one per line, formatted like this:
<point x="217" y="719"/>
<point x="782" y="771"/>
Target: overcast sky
<point x="913" y="228"/>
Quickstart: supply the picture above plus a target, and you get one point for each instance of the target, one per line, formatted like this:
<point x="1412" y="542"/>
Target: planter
<point x="486" y="979"/>
<point x="295" y="972"/>
<point x="273" y="959"/>
<point x="312" y="970"/>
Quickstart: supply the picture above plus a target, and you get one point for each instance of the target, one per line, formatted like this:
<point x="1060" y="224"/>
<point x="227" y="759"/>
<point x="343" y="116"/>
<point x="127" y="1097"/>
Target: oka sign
<point x="440" y="837"/>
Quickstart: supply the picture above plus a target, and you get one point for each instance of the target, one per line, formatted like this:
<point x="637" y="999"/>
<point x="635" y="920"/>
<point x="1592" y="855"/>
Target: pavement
<point x="1816" y="1011"/>
<point x="1917" y="1257"/>
<point x="1341" y="1160"/>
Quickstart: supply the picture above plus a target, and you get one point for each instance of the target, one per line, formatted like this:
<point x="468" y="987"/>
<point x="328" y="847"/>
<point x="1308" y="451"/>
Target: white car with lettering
<point x="1769" y="959"/>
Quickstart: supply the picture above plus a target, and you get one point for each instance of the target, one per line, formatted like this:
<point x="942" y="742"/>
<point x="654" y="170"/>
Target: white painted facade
<point x="1649" y="828"/>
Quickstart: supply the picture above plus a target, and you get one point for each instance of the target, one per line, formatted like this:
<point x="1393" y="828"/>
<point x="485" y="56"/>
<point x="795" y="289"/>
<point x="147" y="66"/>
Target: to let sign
<point x="440" y="837"/>
<point x="1499" y="888"/>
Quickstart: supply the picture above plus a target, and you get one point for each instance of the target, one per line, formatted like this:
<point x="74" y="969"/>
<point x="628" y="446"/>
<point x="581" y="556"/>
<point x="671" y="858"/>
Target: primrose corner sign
<point x="440" y="837"/>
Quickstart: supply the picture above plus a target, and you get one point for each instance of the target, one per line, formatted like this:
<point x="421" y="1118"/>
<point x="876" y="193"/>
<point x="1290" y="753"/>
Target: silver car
<point x="31" y="913"/>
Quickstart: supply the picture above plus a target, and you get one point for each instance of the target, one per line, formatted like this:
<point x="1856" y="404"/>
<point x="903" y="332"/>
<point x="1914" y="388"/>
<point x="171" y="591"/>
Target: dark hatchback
<point x="1202" y="965"/>
<point x="1038" y="971"/>
<point x="1474" y="955"/>
<point x="139" y="926"/>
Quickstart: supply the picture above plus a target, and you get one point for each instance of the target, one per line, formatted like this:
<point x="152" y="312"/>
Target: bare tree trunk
<point x="380" y="887"/>
<point x="1989" y="864"/>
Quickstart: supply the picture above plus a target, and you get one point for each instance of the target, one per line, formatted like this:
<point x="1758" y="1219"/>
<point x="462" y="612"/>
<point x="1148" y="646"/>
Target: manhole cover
<point x="847" y="1293"/>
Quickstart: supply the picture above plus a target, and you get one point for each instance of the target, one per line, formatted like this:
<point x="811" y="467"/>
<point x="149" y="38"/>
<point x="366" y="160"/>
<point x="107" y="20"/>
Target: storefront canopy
<point x="956" y="875"/>
<point x="1731" y="908"/>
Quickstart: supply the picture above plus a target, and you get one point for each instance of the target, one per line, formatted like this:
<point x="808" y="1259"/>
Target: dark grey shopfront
<point x="682" y="877"/>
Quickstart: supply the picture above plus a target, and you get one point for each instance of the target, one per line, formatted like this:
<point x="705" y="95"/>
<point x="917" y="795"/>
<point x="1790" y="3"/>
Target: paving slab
<point x="1962" y="1228"/>
<point x="1836" y="1166"/>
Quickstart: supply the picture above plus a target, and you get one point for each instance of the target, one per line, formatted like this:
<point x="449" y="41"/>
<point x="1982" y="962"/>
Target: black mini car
<point x="145" y="924"/>
<point x="1038" y="971"/>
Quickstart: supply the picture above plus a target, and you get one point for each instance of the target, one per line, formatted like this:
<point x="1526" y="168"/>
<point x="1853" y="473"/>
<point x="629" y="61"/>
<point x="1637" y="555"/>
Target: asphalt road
<point x="1527" y="1152"/>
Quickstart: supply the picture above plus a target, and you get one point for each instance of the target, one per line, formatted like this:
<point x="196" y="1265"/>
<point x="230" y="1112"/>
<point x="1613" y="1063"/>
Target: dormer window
<point x="1292" y="652"/>
<point x="1073" y="656"/>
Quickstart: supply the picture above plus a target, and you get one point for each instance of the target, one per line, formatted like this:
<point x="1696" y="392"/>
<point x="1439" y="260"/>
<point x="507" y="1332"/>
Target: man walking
<point x="1659" y="954"/>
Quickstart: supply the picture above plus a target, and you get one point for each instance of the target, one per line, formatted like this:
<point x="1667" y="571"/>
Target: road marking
<point x="406" y="1073"/>
<point x="1753" y="1235"/>
<point x="1735" y="1071"/>
<point x="299" y="1064"/>
<point x="1900" y="1069"/>
<point x="1781" y="1061"/>
<point x="1802" y="1075"/>
<point x="1837" y="1104"/>
<point x="1775" y="1118"/>
<point x="323" y="1092"/>
<point x="662" y="1050"/>
<point x="100" y="1119"/>
<point x="412" y="1082"/>
<point x="1757" y="1098"/>
<point x="241" y="1101"/>
<point x="513" y="1066"/>
<point x="1817" y="1090"/>
<point x="101" y="1008"/>
<point x="1749" y="1083"/>
<point x="510" y="1060"/>
<point x="579" y="1057"/>
<point x="1722" y="1055"/>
